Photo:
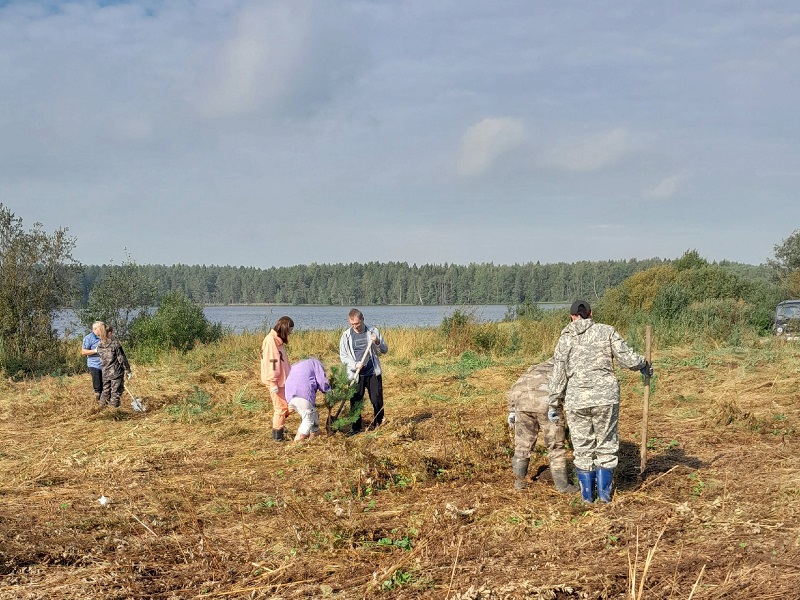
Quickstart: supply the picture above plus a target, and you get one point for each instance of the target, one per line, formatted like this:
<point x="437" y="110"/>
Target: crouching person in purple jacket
<point x="305" y="379"/>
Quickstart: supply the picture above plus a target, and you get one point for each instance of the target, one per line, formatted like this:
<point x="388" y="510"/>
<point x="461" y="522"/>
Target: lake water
<point x="261" y="318"/>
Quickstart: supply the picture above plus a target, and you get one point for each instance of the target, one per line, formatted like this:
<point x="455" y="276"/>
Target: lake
<point x="260" y="318"/>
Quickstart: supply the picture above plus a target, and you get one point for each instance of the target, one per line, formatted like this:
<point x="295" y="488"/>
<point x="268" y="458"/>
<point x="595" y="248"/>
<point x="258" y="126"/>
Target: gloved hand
<point x="129" y="374"/>
<point x="373" y="337"/>
<point x="646" y="371"/>
<point x="512" y="418"/>
<point x="553" y="415"/>
<point x="274" y="389"/>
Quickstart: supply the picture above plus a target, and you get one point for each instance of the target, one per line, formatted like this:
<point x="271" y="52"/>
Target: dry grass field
<point x="202" y="503"/>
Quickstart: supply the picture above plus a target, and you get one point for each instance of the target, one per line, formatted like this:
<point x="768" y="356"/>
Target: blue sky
<point x="280" y="133"/>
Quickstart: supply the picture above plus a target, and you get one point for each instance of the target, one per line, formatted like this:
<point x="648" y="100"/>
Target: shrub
<point x="458" y="331"/>
<point x="670" y="301"/>
<point x="37" y="276"/>
<point x="178" y="323"/>
<point x="526" y="310"/>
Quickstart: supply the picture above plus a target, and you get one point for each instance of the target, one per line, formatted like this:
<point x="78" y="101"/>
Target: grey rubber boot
<point x="561" y="480"/>
<point x="277" y="434"/>
<point x="520" y="468"/>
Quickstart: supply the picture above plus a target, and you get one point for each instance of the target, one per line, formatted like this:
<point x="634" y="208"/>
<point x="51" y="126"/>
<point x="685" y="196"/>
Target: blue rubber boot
<point x="586" y="479"/>
<point x="605" y="484"/>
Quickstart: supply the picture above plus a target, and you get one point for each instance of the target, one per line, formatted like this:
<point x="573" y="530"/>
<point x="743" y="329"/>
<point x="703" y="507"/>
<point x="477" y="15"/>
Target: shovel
<point x="136" y="403"/>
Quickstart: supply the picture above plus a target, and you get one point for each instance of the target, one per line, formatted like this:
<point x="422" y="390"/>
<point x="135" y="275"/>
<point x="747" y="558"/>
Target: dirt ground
<point x="202" y="503"/>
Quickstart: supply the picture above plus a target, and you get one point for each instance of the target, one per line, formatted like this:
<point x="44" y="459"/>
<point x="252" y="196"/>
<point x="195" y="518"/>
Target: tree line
<point x="38" y="276"/>
<point x="390" y="283"/>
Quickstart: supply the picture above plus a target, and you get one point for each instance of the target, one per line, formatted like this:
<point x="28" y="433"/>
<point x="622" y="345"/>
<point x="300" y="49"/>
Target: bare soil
<point x="202" y="503"/>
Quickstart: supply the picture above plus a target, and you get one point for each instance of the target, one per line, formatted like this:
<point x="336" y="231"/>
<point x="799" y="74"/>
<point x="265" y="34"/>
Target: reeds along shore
<point x="202" y="503"/>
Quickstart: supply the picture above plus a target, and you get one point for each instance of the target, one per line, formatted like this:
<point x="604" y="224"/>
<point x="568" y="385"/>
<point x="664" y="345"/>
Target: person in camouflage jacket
<point x="527" y="414"/>
<point x="583" y="374"/>
<point x="115" y="366"/>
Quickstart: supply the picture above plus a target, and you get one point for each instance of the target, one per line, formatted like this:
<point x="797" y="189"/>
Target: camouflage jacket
<point x="113" y="359"/>
<point x="583" y="365"/>
<point x="530" y="392"/>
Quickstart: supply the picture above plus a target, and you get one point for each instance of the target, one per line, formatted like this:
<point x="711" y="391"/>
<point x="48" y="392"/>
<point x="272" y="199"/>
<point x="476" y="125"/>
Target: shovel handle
<point x="648" y="345"/>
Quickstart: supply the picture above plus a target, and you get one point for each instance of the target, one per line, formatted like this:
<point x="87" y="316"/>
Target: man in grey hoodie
<point x="583" y="373"/>
<point x="359" y="348"/>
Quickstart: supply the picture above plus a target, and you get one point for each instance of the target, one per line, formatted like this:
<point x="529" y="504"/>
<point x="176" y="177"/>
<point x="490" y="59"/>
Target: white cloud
<point x="666" y="188"/>
<point x="486" y="141"/>
<point x="590" y="153"/>
<point x="255" y="66"/>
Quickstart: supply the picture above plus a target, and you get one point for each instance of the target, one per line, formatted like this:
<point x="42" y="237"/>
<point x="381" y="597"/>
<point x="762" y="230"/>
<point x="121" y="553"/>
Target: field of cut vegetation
<point x="203" y="504"/>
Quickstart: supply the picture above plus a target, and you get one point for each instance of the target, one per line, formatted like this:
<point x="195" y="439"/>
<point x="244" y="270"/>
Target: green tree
<point x="786" y="264"/>
<point x="121" y="294"/>
<point x="37" y="277"/>
<point x="691" y="259"/>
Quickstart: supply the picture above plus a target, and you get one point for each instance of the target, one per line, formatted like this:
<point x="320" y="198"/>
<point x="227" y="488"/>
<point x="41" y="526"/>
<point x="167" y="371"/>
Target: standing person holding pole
<point x="584" y="374"/>
<point x="359" y="348"/>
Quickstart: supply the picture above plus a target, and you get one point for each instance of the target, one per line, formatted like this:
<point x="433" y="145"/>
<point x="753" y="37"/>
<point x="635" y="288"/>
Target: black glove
<point x="646" y="371"/>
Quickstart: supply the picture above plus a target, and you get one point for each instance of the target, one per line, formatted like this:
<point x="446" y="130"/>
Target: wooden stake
<point x="646" y="404"/>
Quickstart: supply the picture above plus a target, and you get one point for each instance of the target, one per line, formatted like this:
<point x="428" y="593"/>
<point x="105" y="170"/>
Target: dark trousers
<point x="373" y="384"/>
<point x="112" y="391"/>
<point x="97" y="380"/>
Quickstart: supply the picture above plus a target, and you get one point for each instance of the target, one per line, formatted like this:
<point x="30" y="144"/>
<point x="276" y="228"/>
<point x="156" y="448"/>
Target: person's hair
<point x="356" y="313"/>
<point x="103" y="331"/>
<point x="283" y="328"/>
<point x="96" y="323"/>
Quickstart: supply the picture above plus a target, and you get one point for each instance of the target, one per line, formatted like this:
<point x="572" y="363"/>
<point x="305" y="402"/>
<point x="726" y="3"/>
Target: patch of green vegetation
<point x="263" y="503"/>
<point x="245" y="401"/>
<point x="399" y="578"/>
<point x="657" y="445"/>
<point x="196" y="406"/>
<point x="697" y="484"/>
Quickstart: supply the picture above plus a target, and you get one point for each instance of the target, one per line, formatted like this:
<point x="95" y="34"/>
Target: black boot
<point x="520" y="468"/>
<point x="277" y="434"/>
<point x="561" y="480"/>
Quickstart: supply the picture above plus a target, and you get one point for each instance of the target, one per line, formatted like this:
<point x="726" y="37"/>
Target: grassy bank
<point x="202" y="503"/>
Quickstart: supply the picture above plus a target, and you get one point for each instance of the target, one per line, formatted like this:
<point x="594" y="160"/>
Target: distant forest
<point x="376" y="283"/>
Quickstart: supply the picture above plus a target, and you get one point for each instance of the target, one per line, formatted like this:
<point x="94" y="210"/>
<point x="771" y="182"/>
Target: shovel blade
<point x="137" y="405"/>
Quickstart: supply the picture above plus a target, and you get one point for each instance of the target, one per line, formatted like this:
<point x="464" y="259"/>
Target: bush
<point x="37" y="277"/>
<point x="458" y="331"/>
<point x="178" y="323"/>
<point x="526" y="310"/>
<point x="670" y="301"/>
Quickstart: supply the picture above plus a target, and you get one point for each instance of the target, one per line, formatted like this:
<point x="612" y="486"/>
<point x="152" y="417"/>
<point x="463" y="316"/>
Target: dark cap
<point x="580" y="308"/>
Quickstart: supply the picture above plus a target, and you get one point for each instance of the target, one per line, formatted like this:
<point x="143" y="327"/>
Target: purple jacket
<point x="305" y="379"/>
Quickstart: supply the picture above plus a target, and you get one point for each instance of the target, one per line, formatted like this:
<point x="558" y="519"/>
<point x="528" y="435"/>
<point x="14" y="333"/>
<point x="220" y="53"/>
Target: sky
<point x="235" y="132"/>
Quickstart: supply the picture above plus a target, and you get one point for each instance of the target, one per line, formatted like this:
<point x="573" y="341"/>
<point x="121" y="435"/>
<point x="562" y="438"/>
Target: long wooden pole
<point x="648" y="346"/>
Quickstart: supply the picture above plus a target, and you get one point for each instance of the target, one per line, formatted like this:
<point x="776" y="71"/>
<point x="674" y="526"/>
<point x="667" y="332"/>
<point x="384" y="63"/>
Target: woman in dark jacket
<point x="115" y="366"/>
